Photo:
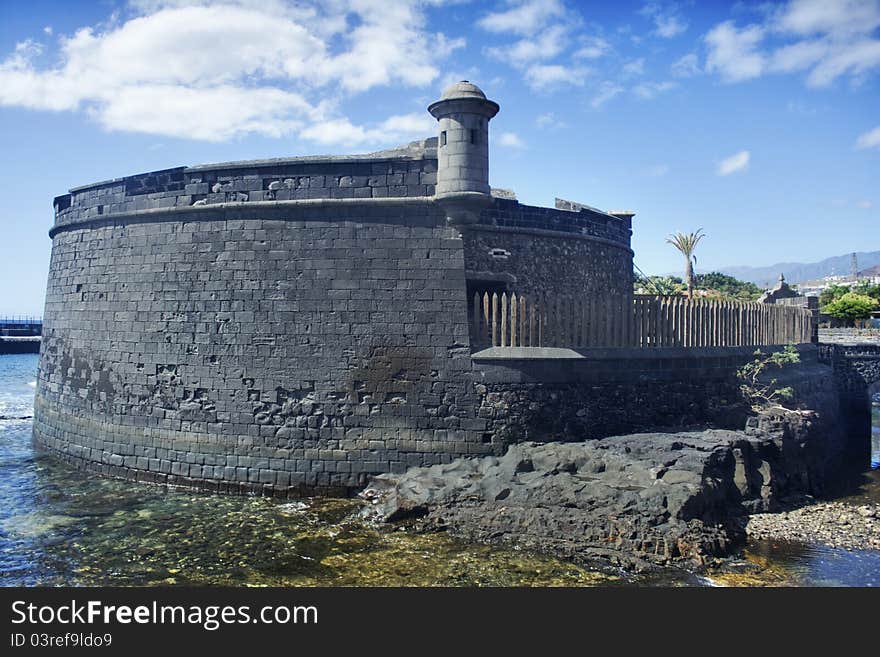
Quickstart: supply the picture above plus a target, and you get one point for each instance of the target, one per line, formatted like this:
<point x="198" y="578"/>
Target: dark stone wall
<point x="549" y="263"/>
<point x="856" y="371"/>
<point x="856" y="366"/>
<point x="270" y="349"/>
<point x="243" y="182"/>
<point x="506" y="213"/>
<point x="531" y="250"/>
<point x="600" y="393"/>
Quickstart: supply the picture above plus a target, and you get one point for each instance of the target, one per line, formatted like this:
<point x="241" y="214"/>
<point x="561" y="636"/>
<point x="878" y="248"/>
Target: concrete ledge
<point x="625" y="365"/>
<point x="625" y="353"/>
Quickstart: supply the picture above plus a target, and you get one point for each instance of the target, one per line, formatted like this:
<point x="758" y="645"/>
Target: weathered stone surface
<point x="283" y="326"/>
<point x="636" y="501"/>
<point x="296" y="325"/>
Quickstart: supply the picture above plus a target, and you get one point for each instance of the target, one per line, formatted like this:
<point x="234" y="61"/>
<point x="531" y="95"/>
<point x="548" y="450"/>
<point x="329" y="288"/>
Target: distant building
<point x="782" y="291"/>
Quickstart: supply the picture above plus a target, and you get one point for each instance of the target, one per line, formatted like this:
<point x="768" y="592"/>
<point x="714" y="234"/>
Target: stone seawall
<point x="563" y="394"/>
<point x="856" y="367"/>
<point x="638" y="500"/>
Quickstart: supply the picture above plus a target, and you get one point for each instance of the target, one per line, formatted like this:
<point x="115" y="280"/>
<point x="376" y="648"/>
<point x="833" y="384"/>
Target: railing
<point x="20" y="319"/>
<point x="529" y="320"/>
<point x="20" y="325"/>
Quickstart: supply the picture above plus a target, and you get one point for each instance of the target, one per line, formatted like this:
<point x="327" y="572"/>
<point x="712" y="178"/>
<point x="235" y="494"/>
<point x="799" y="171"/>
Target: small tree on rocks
<point x="754" y="385"/>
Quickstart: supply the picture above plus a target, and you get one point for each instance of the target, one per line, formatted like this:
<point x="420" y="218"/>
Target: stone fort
<point x="291" y="326"/>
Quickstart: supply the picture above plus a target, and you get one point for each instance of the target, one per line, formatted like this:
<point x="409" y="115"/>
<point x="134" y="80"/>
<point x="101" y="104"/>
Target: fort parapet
<point x="296" y="325"/>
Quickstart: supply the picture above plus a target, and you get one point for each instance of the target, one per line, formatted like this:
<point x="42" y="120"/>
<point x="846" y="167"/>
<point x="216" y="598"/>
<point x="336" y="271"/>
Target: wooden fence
<point x="527" y="320"/>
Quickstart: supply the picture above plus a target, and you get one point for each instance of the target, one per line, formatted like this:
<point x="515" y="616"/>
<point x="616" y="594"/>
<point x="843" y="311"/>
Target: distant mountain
<point x="798" y="272"/>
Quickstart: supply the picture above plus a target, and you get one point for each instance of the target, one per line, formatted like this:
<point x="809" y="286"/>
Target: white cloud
<point x="405" y="125"/>
<point x="549" y="121"/>
<point x="736" y="162"/>
<point x="870" y="139"/>
<point x="541" y="77"/>
<point x="824" y="39"/>
<point x="524" y="16"/>
<point x="444" y="46"/>
<point x="542" y="46"/>
<point x="544" y="30"/>
<point x="807" y="17"/>
<point x="863" y="204"/>
<point x="687" y="66"/>
<point x="592" y="48"/>
<point x="854" y="59"/>
<point x="649" y="90"/>
<point x="799" y="56"/>
<point x="607" y="91"/>
<point x="732" y="52"/>
<point x="667" y="22"/>
<point x="48" y="30"/>
<point x="394" y="129"/>
<point x="178" y="111"/>
<point x="510" y="140"/>
<point x="215" y="71"/>
<point x="669" y="26"/>
<point x="634" y="67"/>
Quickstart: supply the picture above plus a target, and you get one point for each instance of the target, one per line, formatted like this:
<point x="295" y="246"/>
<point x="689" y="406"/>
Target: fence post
<point x="495" y="319"/>
<point x="476" y="319"/>
<point x="514" y="318"/>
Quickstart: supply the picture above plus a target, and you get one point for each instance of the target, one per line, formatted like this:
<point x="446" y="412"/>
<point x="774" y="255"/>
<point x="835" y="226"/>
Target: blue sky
<point x="758" y="122"/>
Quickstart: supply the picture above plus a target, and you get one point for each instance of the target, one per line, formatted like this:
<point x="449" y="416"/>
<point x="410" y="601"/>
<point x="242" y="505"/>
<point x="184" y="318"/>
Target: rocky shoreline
<point x="636" y="502"/>
<point x="834" y="524"/>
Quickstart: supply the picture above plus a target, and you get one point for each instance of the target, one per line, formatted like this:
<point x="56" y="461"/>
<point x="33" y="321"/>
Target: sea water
<point x="62" y="526"/>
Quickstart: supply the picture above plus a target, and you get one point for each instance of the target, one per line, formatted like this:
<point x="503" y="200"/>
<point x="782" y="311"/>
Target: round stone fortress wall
<point x="295" y="326"/>
<point x="283" y="346"/>
<point x="258" y="347"/>
<point x="548" y="251"/>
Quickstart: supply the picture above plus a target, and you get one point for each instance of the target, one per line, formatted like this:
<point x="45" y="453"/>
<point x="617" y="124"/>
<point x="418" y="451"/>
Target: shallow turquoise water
<point x="60" y="526"/>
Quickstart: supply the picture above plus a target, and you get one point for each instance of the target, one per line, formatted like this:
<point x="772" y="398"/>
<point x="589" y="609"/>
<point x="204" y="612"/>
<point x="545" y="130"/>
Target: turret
<point x="463" y="112"/>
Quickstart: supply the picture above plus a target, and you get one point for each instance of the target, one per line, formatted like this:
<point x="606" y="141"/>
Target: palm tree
<point x="686" y="243"/>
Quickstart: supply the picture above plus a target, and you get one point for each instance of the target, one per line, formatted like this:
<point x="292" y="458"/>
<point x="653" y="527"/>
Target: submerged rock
<point x="636" y="501"/>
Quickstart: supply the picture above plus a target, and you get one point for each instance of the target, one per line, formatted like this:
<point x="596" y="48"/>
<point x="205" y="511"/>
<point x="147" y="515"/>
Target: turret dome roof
<point x="463" y="89"/>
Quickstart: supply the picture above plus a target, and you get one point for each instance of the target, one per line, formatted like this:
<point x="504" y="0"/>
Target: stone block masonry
<point x="410" y="171"/>
<point x="285" y="344"/>
<point x="259" y="354"/>
<point x="295" y="326"/>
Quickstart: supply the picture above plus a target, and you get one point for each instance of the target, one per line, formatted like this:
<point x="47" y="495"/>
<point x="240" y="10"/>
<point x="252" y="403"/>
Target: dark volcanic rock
<point x="636" y="500"/>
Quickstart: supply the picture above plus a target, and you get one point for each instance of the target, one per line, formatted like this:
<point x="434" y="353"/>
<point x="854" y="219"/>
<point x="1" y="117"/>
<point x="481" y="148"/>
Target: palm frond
<point x="686" y="243"/>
